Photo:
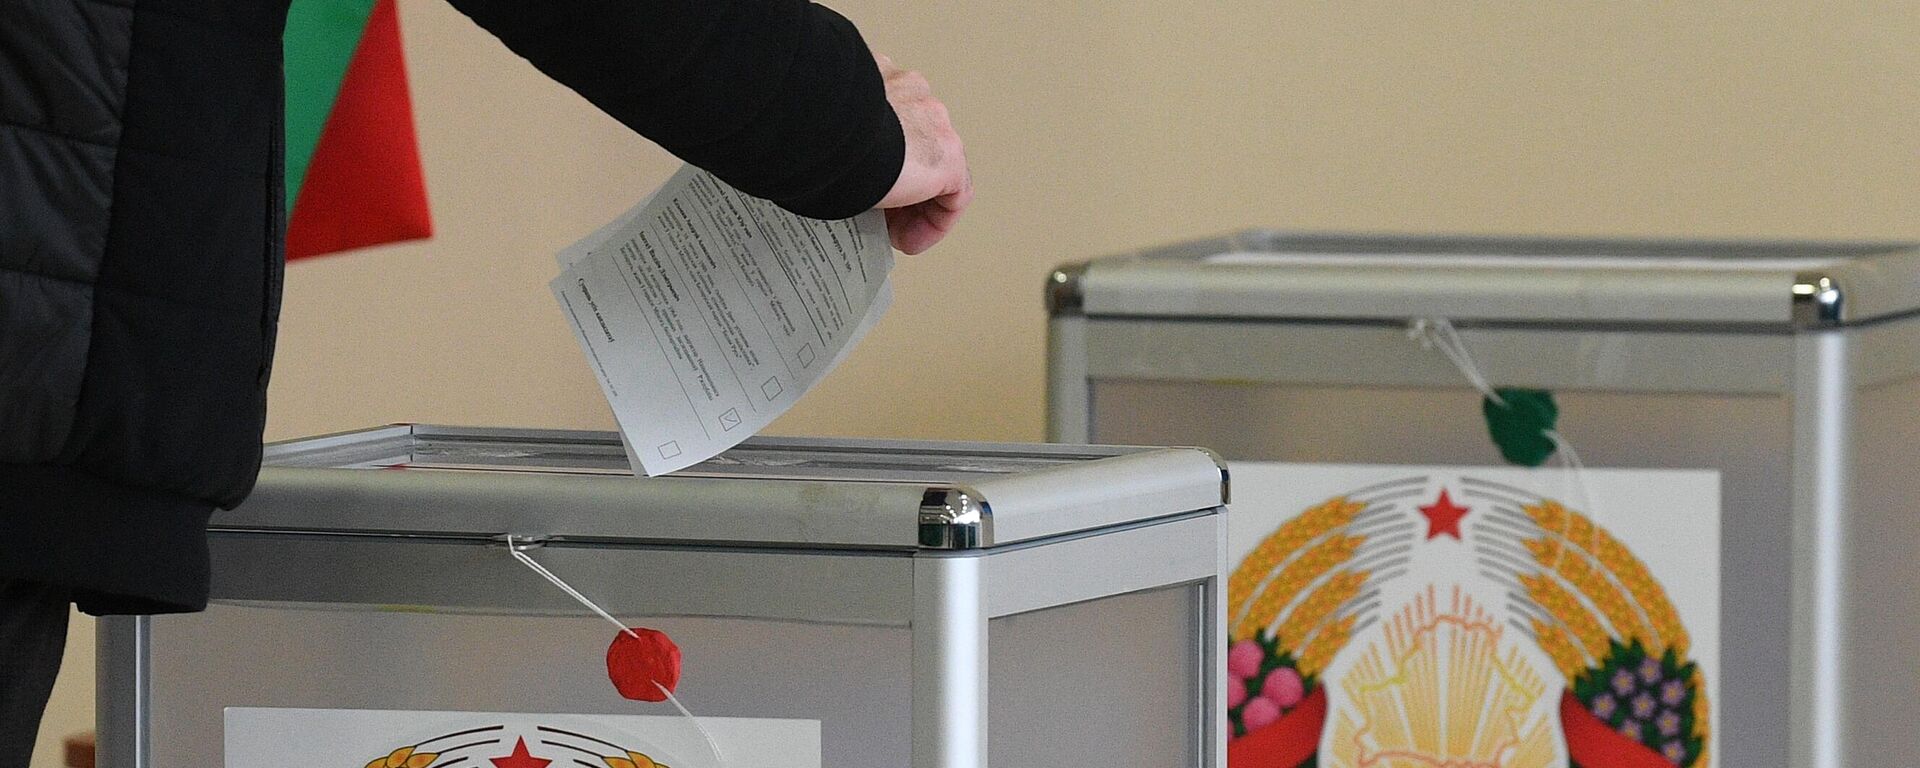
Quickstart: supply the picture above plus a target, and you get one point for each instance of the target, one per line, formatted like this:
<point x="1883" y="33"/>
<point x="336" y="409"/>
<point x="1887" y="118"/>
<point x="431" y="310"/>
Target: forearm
<point x="780" y="98"/>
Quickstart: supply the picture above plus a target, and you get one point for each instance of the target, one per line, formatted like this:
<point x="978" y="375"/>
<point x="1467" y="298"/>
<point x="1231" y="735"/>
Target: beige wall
<point x="1100" y="126"/>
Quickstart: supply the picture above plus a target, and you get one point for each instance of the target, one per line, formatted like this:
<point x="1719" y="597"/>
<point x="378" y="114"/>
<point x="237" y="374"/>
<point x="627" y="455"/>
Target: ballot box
<point x="1793" y="370"/>
<point x="836" y="603"/>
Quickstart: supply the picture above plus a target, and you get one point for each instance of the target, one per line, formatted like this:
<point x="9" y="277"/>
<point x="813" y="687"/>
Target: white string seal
<point x="515" y="549"/>
<point x="1438" y="333"/>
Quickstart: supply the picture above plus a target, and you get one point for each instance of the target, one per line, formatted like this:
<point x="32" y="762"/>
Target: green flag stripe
<point x="320" y="39"/>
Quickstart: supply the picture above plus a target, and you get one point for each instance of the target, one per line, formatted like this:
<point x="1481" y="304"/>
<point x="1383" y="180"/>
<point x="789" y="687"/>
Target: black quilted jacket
<point x="141" y="232"/>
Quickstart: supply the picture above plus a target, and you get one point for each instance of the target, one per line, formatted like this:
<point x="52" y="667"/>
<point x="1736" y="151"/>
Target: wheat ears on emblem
<point x="632" y="760"/>
<point x="1609" y="576"/>
<point x="404" y="757"/>
<point x="1609" y="627"/>
<point x="1296" y="600"/>
<point x="1304" y="550"/>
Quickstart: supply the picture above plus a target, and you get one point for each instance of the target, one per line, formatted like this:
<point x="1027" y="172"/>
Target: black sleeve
<point x="780" y="98"/>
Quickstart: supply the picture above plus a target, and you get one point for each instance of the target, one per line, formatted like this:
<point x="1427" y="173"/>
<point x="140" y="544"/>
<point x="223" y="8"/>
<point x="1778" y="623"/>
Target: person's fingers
<point x="942" y="211"/>
<point x="916" y="228"/>
<point x="959" y="200"/>
<point x="922" y="235"/>
<point x="910" y="231"/>
<point x="902" y="230"/>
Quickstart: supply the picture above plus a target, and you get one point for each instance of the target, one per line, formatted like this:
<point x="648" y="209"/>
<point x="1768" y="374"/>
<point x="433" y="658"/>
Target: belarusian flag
<point x="353" y="164"/>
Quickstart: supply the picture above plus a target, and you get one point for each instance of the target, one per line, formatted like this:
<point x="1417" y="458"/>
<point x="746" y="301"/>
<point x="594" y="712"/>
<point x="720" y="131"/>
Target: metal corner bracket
<point x="1817" y="301"/>
<point x="1066" y="292"/>
<point x="955" y="518"/>
<point x="1226" y="475"/>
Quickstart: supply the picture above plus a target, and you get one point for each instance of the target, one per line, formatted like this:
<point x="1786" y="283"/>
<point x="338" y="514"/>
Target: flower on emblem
<point x="1604" y="706"/>
<point x="1668" y="723"/>
<point x="1623" y="682"/>
<point x="1649" y="670"/>
<point x="1673" y="692"/>
<point x="1643" y="706"/>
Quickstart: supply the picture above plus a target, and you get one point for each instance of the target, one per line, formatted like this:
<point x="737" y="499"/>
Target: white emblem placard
<point x="364" y="738"/>
<point x="1473" y="616"/>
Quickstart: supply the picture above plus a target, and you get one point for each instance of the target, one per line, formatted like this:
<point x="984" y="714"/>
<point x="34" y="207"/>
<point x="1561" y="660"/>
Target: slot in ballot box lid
<point x="434" y="481"/>
<point x="1269" y="275"/>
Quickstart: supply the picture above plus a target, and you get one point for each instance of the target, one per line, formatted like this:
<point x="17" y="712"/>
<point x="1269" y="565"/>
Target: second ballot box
<point x="1791" y="369"/>
<point x="842" y="603"/>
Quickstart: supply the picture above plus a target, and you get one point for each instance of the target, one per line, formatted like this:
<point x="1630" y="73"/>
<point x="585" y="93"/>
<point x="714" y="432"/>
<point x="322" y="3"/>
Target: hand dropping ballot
<point x="706" y="313"/>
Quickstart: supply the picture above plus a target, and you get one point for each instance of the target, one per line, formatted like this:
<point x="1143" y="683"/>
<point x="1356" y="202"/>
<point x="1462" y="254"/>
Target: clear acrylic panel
<point x="1109" y="682"/>
<point x="855" y="680"/>
<point x="1748" y="438"/>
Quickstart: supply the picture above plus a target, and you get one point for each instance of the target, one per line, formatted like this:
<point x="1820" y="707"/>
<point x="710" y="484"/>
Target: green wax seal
<point x="1520" y="427"/>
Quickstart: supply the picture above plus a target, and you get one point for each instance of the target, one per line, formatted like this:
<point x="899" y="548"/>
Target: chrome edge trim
<point x="1226" y="475"/>
<point x="1818" y="301"/>
<point x="327" y="450"/>
<point x="1066" y="291"/>
<point x="955" y="518"/>
<point x="1226" y="478"/>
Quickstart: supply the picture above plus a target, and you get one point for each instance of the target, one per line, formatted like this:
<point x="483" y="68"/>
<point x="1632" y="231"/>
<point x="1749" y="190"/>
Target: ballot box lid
<point x="1270" y="275"/>
<point x="558" y="485"/>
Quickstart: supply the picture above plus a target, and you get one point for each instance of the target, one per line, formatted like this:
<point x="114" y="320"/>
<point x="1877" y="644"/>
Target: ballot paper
<point x="705" y="313"/>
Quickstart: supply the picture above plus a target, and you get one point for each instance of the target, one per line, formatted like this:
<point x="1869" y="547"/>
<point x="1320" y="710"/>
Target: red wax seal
<point x="641" y="662"/>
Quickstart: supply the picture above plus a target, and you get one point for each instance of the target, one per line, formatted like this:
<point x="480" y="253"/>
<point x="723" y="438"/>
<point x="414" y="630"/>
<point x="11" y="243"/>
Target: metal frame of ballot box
<point x="1792" y="368"/>
<point x="924" y="564"/>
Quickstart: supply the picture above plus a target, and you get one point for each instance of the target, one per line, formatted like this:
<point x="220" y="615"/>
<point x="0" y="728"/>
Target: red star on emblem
<point x="520" y="758"/>
<point x="1443" y="517"/>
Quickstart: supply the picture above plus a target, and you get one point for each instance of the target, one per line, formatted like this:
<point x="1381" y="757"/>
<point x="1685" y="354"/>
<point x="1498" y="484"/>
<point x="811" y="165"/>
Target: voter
<point x="141" y="228"/>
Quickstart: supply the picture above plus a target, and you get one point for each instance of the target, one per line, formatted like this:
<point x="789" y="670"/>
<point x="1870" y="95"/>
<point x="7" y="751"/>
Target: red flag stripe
<point x="365" y="186"/>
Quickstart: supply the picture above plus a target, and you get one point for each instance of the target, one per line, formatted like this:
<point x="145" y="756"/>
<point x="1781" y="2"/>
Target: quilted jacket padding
<point x="141" y="231"/>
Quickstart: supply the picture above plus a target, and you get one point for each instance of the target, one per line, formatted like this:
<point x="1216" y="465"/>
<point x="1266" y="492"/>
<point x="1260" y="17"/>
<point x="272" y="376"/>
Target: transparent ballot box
<point x="1793" y="370"/>
<point x="835" y="602"/>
